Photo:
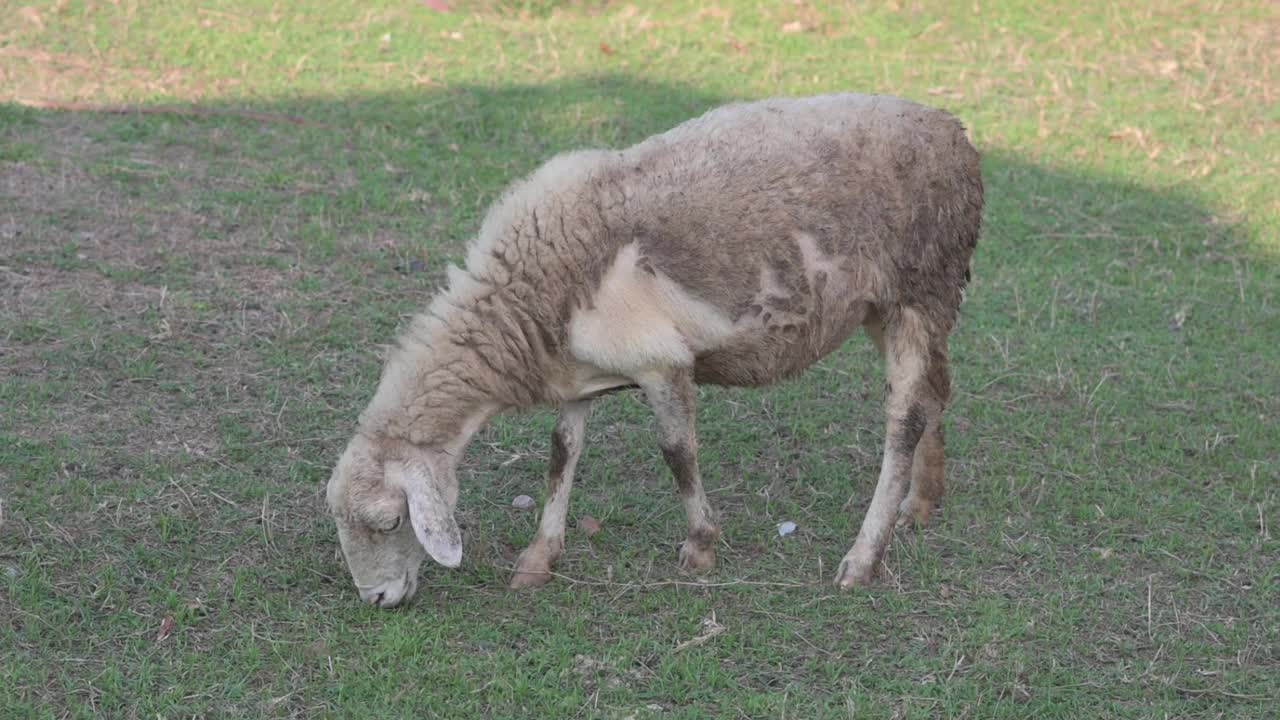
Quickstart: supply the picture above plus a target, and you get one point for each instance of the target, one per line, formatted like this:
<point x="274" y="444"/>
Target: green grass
<point x="192" y="308"/>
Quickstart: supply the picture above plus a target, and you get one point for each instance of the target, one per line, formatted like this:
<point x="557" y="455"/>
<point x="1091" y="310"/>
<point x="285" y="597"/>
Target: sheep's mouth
<point x="410" y="588"/>
<point x="409" y="585"/>
<point x="390" y="594"/>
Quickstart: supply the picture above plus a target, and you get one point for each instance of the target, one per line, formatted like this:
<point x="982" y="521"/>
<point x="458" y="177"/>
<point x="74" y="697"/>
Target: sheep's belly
<point x="766" y="354"/>
<point x="749" y="353"/>
<point x="641" y="321"/>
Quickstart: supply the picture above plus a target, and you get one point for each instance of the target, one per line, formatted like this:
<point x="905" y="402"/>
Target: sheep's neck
<point x="506" y="346"/>
<point x="429" y="398"/>
<point x="474" y="353"/>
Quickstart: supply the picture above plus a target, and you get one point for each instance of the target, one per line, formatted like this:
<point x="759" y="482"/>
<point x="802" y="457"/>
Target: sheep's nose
<point x="375" y="595"/>
<point x="388" y="594"/>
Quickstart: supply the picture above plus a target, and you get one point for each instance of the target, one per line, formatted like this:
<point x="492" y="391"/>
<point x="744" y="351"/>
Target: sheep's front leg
<point x="533" y="568"/>
<point x="672" y="395"/>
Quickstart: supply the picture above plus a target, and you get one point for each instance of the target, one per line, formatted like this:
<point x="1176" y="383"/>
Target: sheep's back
<point x="883" y="183"/>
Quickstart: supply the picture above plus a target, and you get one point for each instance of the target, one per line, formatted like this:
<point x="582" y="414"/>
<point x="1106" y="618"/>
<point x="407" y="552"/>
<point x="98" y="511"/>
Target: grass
<point x="192" y="303"/>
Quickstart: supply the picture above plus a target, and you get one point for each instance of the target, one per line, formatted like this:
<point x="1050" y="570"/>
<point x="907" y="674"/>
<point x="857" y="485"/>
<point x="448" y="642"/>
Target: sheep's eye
<point x="395" y="525"/>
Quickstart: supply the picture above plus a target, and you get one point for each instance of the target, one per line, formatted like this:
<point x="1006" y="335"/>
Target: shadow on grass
<point x="242" y="386"/>
<point x="1056" y="240"/>
<point x="481" y="138"/>
<point x="1066" y="256"/>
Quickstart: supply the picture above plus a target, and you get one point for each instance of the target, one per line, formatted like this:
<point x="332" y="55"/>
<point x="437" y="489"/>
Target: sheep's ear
<point x="431" y="516"/>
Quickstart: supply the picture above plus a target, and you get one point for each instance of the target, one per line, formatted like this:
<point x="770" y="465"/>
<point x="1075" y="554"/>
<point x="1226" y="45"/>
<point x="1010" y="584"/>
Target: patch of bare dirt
<point x="127" y="299"/>
<point x="141" y="323"/>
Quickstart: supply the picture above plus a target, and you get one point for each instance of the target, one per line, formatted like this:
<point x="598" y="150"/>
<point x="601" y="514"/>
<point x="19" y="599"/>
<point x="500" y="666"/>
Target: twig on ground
<point x="664" y="583"/>
<point x="713" y="629"/>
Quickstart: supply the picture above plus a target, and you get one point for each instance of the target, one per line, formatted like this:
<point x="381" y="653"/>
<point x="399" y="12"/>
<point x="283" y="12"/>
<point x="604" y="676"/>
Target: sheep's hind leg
<point x="926" y="478"/>
<point x="533" y="568"/>
<point x="927" y="473"/>
<point x="909" y="407"/>
<point x="672" y="395"/>
<point x="927" y="484"/>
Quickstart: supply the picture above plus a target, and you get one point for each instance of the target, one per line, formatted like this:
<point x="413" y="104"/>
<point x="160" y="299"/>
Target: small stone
<point x="589" y="525"/>
<point x="11" y="572"/>
<point x="786" y="528"/>
<point x="522" y="502"/>
<point x="411" y="267"/>
<point x="166" y="628"/>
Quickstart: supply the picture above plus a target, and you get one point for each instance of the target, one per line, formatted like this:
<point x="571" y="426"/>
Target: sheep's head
<point x="393" y="508"/>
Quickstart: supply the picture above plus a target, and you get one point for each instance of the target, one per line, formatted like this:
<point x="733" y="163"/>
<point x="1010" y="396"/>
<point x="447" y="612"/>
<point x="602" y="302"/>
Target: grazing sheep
<point x="736" y="249"/>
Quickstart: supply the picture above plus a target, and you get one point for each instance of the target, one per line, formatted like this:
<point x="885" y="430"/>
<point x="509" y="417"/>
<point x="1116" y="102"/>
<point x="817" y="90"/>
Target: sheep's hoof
<point x="533" y="569"/>
<point x="524" y="580"/>
<point x="852" y="574"/>
<point x="914" y="511"/>
<point x="696" y="560"/>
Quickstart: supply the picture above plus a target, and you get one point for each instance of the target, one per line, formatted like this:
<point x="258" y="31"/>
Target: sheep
<point x="736" y="249"/>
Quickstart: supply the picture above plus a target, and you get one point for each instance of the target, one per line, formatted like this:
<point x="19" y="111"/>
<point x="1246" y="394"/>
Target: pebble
<point x="522" y="502"/>
<point x="785" y="528"/>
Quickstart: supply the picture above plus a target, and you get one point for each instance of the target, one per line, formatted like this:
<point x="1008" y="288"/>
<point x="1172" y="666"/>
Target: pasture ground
<point x="194" y="302"/>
